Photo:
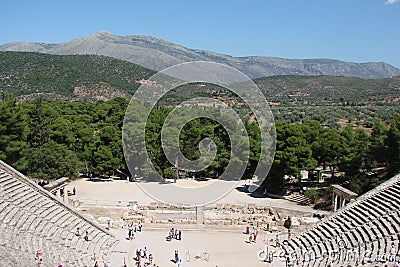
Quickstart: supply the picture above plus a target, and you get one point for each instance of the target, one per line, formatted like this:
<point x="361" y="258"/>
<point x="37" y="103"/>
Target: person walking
<point x="176" y="256"/>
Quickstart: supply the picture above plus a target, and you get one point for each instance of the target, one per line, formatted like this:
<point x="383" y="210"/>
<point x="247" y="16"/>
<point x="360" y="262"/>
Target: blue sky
<point x="351" y="30"/>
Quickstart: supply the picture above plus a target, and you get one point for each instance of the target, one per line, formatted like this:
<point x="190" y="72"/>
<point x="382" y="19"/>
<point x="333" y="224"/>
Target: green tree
<point x="292" y="155"/>
<point x="355" y="151"/>
<point x="13" y="131"/>
<point x="393" y="144"/>
<point x="377" y="152"/>
<point x="60" y="131"/>
<point x="52" y="161"/>
<point x="40" y="118"/>
<point x="328" y="148"/>
<point x="169" y="173"/>
<point x="102" y="160"/>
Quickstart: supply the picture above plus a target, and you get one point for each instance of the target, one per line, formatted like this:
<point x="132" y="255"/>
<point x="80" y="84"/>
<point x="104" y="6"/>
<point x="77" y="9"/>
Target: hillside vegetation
<point x="330" y="90"/>
<point x="72" y="77"/>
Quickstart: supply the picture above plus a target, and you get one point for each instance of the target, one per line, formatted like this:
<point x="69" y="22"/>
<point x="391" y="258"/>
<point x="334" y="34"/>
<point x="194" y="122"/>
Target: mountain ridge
<point x="157" y="54"/>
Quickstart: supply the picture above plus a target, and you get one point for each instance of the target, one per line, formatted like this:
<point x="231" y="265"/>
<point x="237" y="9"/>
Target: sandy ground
<point x="197" y="248"/>
<point x="118" y="190"/>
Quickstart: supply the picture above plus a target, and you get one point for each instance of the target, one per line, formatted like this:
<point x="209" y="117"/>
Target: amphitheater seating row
<point x="32" y="219"/>
<point x="366" y="232"/>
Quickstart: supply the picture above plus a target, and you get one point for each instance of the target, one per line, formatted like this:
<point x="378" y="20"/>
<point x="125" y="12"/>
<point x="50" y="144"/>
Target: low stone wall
<point x="261" y="217"/>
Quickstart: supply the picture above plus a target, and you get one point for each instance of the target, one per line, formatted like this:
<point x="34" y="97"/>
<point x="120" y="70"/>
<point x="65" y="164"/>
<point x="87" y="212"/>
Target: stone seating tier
<point x="32" y="219"/>
<point x="372" y="222"/>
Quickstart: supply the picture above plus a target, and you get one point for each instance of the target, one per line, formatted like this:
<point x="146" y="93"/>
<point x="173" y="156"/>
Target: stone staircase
<point x="299" y="199"/>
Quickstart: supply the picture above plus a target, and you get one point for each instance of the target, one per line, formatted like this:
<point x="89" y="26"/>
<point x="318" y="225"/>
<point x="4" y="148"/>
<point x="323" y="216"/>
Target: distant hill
<point x="90" y="77"/>
<point x="28" y="75"/>
<point x="156" y="54"/>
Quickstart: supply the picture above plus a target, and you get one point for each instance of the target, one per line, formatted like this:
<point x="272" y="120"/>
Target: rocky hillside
<point x="156" y="54"/>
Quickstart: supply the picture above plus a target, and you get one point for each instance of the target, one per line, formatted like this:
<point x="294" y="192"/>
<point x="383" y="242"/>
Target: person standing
<point x="250" y="238"/>
<point x="130" y="233"/>
<point x="138" y="254"/>
<point x="255" y="236"/>
<point x="87" y="236"/>
<point x="37" y="255"/>
<point x="169" y="236"/>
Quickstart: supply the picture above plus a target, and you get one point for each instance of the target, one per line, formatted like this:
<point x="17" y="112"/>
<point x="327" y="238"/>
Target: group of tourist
<point x="253" y="235"/>
<point x="142" y="254"/>
<point x="143" y="258"/>
<point x="132" y="229"/>
<point x="148" y="258"/>
<point x="174" y="234"/>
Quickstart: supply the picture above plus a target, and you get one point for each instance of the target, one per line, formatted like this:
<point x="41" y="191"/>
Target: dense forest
<point x="48" y="139"/>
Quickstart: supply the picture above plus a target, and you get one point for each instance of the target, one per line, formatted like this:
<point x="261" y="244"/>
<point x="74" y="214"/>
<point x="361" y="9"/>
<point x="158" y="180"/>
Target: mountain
<point x="157" y="54"/>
